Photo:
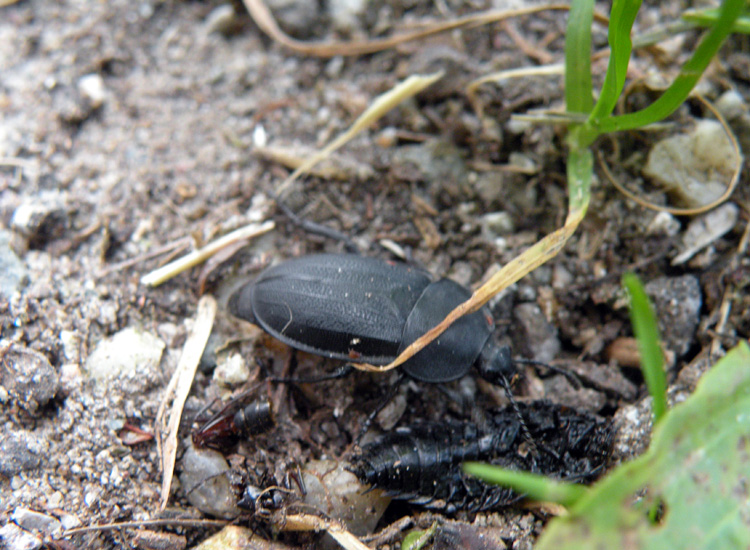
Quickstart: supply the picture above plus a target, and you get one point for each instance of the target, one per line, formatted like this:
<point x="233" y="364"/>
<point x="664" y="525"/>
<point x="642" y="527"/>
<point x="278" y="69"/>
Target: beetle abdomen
<point x="340" y="306"/>
<point x="422" y="463"/>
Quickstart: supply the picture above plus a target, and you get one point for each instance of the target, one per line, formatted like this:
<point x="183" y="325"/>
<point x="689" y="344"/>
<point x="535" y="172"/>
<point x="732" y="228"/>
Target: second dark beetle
<point x="422" y="463"/>
<point x="366" y="310"/>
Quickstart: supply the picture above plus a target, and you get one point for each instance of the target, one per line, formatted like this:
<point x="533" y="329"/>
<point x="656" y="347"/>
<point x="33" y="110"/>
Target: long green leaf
<point x="620" y="25"/>
<point x="646" y="331"/>
<point x="691" y="72"/>
<point x="536" y="486"/>
<point x="578" y="88"/>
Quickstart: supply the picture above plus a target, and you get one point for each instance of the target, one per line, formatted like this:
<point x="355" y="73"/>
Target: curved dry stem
<point x="473" y="86"/>
<point x="265" y="20"/>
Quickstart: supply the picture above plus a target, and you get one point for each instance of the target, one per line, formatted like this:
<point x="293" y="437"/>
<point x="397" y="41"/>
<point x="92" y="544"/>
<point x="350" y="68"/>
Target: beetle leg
<point x="340" y="372"/>
<point x="387" y="399"/>
<point x="316" y="228"/>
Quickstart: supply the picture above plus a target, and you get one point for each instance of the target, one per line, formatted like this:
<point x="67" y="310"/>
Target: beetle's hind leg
<point x="376" y="411"/>
<point x="341" y="372"/>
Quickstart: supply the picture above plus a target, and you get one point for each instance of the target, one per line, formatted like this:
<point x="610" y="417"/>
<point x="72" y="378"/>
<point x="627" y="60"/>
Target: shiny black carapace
<point x="366" y="310"/>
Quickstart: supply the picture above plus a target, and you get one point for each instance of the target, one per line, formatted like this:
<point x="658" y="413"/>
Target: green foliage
<point x="416" y="540"/>
<point x="689" y="490"/>
<point x="578" y="87"/>
<point x="709" y="18"/>
<point x="695" y="474"/>
<point x="535" y="486"/>
<point x="646" y="332"/>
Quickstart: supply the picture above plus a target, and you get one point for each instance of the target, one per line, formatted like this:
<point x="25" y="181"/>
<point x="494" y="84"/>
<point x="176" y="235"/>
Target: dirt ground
<point x="134" y="132"/>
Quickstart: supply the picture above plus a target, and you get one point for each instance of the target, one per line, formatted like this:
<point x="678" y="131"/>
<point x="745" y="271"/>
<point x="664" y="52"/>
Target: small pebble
<point x="36" y="521"/>
<point x="496" y="224"/>
<point x="124" y="354"/>
<point x="705" y="229"/>
<point x="17" y="454"/>
<point x="299" y="18"/>
<point x="694" y="168"/>
<point x="13" y="272"/>
<point x="29" y="378"/>
<point x="539" y="336"/>
<point x="41" y="218"/>
<point x="15" y="538"/>
<point x="205" y="483"/>
<point x="231" y="370"/>
<point x="222" y="19"/>
<point x="335" y="491"/>
<point x="234" y="537"/>
<point x="665" y="224"/>
<point x="346" y="14"/>
<point x="92" y="89"/>
<point x="159" y="540"/>
<point x="677" y="302"/>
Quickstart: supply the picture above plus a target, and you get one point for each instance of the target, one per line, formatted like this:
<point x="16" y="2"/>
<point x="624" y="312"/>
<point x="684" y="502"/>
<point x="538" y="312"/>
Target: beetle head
<point x="495" y="364"/>
<point x="241" y="303"/>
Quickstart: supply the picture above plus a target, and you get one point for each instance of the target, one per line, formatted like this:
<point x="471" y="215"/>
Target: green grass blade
<point x="646" y="332"/>
<point x="580" y="169"/>
<point x="708" y="18"/>
<point x="578" y="88"/>
<point x="538" y="487"/>
<point x="620" y="25"/>
<point x="691" y="72"/>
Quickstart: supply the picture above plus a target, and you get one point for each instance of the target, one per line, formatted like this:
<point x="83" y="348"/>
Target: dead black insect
<point x="422" y="463"/>
<point x="235" y="420"/>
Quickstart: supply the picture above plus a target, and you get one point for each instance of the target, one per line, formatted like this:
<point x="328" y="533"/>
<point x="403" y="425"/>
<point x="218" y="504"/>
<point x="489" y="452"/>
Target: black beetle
<point x="422" y="463"/>
<point x="366" y="310"/>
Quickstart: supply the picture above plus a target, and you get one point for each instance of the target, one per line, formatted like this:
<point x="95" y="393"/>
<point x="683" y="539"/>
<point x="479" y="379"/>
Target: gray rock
<point x="705" y="229"/>
<point x="231" y="370"/>
<point x="496" y="224"/>
<point x="437" y="162"/>
<point x="337" y="492"/>
<point x="125" y="354"/>
<point x="222" y="19"/>
<point x="12" y="270"/>
<point x="205" y="482"/>
<point x="28" y="378"/>
<point x="37" y="522"/>
<point x="539" y="337"/>
<point x="15" y="538"/>
<point x="300" y="18"/>
<point x="677" y="301"/>
<point x="92" y="89"/>
<point x="41" y="218"/>
<point x="346" y="14"/>
<point x="694" y="168"/>
<point x="155" y="540"/>
<point x="16" y="455"/>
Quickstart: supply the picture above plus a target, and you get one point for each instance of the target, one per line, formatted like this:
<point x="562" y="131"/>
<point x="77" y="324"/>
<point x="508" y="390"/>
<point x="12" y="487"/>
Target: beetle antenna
<point x="517" y="410"/>
<point x="572" y="377"/>
<point x="316" y="228"/>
